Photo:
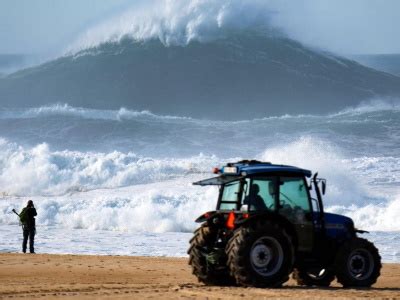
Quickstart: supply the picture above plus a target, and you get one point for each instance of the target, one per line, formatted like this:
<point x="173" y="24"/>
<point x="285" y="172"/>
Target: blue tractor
<point x="267" y="226"/>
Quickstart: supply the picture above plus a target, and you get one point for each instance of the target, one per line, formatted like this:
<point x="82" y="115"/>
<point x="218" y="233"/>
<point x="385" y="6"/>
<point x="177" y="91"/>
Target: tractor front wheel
<point x="260" y="255"/>
<point x="358" y="263"/>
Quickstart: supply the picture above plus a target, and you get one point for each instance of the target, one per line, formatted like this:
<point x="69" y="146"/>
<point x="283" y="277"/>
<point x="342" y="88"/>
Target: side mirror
<point x="323" y="187"/>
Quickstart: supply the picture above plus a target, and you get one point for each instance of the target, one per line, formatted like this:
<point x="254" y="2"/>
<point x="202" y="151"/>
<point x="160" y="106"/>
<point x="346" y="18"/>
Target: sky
<point x="341" y="26"/>
<point x="45" y="26"/>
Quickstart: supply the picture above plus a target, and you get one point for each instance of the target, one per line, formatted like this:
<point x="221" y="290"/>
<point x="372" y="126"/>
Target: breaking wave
<point x="124" y="191"/>
<point x="64" y="109"/>
<point x="377" y="217"/>
<point x="374" y="105"/>
<point x="39" y="171"/>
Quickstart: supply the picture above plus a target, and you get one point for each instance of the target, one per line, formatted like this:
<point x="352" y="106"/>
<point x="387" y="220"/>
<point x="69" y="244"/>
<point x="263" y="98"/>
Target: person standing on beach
<point x="29" y="226"/>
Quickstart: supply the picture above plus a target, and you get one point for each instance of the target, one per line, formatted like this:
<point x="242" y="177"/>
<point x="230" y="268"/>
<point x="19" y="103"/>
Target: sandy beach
<point x="120" y="277"/>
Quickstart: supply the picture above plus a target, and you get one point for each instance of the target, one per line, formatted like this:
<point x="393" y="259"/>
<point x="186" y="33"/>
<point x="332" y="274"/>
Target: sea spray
<point x="377" y="217"/>
<point x="176" y="22"/>
<point x="39" y="171"/>
<point x="322" y="157"/>
<point x="169" y="206"/>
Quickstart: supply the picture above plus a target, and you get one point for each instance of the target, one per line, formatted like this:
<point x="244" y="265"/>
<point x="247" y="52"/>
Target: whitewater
<point x="119" y="181"/>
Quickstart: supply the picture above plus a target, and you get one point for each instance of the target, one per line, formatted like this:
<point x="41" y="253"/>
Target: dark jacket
<point x="30" y="218"/>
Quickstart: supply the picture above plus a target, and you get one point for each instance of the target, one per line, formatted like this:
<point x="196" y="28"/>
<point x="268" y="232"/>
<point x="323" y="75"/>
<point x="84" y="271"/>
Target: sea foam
<point x="124" y="191"/>
<point x="40" y="171"/>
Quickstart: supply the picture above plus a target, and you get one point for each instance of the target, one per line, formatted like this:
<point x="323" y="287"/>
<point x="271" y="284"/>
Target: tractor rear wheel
<point x="260" y="255"/>
<point x="313" y="277"/>
<point x="204" y="237"/>
<point x="357" y="263"/>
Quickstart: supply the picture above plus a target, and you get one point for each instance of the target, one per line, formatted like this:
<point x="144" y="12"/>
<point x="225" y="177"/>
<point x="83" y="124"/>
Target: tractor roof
<point x="233" y="171"/>
<point x="255" y="167"/>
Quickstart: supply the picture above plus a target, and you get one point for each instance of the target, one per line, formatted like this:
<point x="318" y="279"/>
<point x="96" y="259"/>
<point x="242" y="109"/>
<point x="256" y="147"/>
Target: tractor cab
<point x="253" y="188"/>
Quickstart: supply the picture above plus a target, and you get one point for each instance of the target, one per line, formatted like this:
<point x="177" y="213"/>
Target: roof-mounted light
<point x="230" y="170"/>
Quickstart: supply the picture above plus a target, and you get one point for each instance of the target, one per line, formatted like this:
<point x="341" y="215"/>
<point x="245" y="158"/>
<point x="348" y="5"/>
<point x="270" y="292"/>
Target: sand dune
<point x="116" y="277"/>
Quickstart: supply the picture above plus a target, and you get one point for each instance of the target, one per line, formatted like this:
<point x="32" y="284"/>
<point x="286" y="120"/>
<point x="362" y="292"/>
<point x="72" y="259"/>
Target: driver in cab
<point x="255" y="201"/>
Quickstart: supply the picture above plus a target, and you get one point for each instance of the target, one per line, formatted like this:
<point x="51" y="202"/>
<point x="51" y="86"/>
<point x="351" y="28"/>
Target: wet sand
<point x="120" y="277"/>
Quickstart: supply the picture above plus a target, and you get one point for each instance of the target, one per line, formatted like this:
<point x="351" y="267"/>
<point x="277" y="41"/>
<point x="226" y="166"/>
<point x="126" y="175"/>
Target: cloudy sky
<point x="342" y="26"/>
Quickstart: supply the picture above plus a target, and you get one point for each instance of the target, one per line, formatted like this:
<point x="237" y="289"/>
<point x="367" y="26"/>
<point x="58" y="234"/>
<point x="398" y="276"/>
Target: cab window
<point x="293" y="199"/>
<point x="293" y="193"/>
<point x="259" y="194"/>
<point x="229" y="196"/>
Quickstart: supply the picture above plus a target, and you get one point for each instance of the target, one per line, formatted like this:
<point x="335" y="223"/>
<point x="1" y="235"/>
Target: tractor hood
<point x="337" y="221"/>
<point x="338" y="225"/>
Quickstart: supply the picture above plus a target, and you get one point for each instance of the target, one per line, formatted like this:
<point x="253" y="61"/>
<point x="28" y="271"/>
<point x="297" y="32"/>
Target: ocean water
<point x="119" y="181"/>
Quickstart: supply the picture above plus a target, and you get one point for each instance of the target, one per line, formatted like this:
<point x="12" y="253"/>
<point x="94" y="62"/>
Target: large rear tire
<point x="205" y="237"/>
<point x="260" y="255"/>
<point x="357" y="263"/>
<point x="313" y="277"/>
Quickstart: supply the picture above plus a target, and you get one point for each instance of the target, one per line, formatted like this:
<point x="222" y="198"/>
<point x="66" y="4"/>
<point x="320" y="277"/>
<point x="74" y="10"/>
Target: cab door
<point x="294" y="204"/>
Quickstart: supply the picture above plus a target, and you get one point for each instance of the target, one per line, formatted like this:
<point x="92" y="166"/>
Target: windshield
<point x="293" y="193"/>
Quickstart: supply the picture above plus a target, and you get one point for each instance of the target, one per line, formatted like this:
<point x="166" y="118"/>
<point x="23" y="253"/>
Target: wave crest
<point x="64" y="109"/>
<point x="176" y="22"/>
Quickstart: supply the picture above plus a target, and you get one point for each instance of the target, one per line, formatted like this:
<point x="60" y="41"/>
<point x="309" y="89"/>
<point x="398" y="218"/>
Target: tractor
<point x="269" y="223"/>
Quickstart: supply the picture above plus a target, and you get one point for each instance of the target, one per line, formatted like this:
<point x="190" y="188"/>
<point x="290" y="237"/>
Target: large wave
<point x="269" y="74"/>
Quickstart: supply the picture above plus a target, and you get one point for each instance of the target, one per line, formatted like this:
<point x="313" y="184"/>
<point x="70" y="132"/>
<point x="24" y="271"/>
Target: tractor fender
<point x="213" y="219"/>
<point x="206" y="216"/>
